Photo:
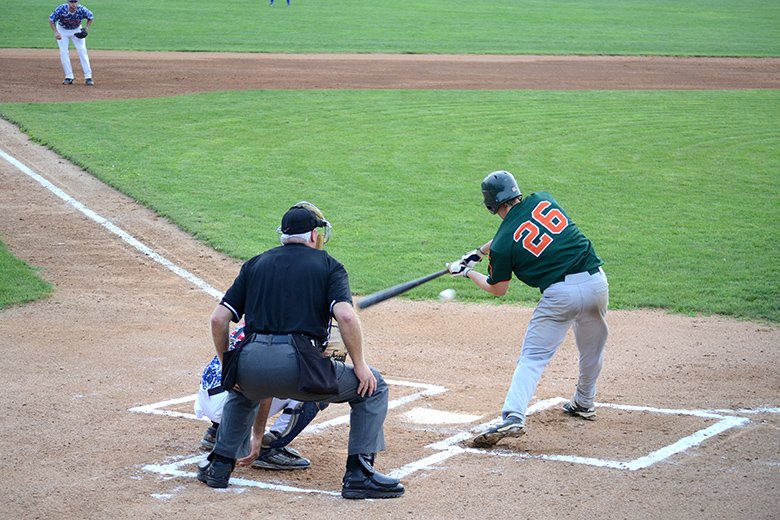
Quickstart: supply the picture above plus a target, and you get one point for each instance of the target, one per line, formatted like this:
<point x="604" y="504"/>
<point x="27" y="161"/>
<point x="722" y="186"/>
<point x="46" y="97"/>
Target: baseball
<point x="447" y="295"/>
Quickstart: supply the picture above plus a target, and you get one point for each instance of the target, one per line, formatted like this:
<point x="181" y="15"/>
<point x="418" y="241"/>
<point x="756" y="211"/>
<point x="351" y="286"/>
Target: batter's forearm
<point x="480" y="280"/>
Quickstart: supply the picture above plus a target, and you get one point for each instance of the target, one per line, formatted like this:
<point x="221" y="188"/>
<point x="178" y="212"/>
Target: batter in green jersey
<point x="540" y="244"/>
<point x="544" y="248"/>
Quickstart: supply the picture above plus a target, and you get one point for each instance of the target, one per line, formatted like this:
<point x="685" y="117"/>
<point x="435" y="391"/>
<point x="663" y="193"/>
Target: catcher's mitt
<point x="335" y="347"/>
<point x="81" y="34"/>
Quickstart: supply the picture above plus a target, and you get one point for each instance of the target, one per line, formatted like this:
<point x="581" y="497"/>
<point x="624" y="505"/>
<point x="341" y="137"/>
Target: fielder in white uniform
<point x="65" y="21"/>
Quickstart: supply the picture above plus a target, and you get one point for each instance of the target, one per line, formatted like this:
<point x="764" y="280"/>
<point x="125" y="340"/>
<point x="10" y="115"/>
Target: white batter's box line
<point x="450" y="442"/>
<point x="749" y="411"/>
<point x="426" y="463"/>
<point x="160" y="408"/>
<point x="724" y="422"/>
<point x="173" y="470"/>
<point x="449" y="447"/>
<point x="426" y="390"/>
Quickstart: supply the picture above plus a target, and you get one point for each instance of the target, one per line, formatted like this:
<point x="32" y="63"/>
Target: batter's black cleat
<point x="68" y="81"/>
<point x="361" y="480"/>
<point x="575" y="410"/>
<point x="89" y="82"/>
<point x="512" y="426"/>
<point x="215" y="473"/>
<point x="280" y="459"/>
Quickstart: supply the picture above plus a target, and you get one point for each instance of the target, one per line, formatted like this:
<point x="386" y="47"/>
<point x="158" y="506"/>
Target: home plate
<point x="431" y="416"/>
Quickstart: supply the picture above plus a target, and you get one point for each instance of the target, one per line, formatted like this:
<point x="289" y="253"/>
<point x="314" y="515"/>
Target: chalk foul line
<point x="116" y="230"/>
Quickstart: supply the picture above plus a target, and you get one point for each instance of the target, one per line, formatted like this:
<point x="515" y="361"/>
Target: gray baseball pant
<point x="580" y="301"/>
<point x="268" y="367"/>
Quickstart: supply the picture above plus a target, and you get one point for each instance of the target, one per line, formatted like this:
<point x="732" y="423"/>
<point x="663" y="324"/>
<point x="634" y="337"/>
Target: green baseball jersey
<point x="540" y="244"/>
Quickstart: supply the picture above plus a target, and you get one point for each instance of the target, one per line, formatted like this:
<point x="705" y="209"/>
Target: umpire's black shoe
<point x="362" y="481"/>
<point x="215" y="473"/>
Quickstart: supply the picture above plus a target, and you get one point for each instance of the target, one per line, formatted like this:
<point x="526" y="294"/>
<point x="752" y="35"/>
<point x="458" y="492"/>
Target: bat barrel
<point x="390" y="292"/>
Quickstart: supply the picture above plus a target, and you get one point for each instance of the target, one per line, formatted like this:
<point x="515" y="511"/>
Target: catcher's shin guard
<point x="302" y="415"/>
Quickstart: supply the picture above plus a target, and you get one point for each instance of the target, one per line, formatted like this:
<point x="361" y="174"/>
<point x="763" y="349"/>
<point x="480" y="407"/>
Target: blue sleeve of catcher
<point x="302" y="415"/>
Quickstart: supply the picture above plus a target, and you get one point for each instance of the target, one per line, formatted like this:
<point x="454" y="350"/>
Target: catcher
<point x="65" y="21"/>
<point x="295" y="416"/>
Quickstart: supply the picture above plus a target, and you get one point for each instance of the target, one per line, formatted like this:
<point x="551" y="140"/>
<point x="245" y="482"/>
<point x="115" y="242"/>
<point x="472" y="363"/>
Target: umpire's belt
<point x="269" y="338"/>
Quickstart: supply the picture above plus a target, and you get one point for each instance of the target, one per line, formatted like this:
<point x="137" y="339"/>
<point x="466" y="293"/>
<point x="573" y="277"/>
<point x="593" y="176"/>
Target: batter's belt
<point x="563" y="278"/>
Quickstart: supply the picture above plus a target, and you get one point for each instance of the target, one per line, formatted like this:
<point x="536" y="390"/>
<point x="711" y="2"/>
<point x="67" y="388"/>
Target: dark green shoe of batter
<point x="512" y="426"/>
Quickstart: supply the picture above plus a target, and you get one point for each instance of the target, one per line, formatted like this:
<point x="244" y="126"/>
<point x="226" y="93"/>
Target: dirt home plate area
<point x="99" y="378"/>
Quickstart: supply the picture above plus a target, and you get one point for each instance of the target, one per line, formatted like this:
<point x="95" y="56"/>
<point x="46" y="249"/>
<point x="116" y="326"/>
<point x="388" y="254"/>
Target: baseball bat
<point x="390" y="292"/>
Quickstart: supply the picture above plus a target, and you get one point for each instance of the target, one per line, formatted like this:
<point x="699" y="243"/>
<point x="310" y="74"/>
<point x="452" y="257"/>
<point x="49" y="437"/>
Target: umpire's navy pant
<point x="268" y="367"/>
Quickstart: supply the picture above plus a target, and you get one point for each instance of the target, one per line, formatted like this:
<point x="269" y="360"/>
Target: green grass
<point x="679" y="191"/>
<point x="634" y="27"/>
<point x="19" y="283"/>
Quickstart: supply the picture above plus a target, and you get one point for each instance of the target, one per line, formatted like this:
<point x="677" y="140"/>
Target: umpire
<point x="291" y="290"/>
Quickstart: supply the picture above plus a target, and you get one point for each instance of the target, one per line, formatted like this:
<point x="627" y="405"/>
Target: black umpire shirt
<point x="288" y="289"/>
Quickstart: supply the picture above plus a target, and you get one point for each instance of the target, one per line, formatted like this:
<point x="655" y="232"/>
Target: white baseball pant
<point x="580" y="301"/>
<point x="81" y="47"/>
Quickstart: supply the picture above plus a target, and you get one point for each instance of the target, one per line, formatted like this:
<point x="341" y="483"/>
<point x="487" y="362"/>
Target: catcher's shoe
<point x="68" y="81"/>
<point x="361" y="480"/>
<point x="575" y="410"/>
<point x="215" y="473"/>
<point x="89" y="82"/>
<point x="280" y="459"/>
<point x="512" y="426"/>
<point x="209" y="439"/>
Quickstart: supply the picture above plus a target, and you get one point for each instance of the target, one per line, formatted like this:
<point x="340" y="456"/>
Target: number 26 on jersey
<point x="536" y="240"/>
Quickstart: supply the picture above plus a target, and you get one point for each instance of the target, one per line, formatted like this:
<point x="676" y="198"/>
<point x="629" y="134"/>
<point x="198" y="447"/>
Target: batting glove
<point x="459" y="269"/>
<point x="472" y="258"/>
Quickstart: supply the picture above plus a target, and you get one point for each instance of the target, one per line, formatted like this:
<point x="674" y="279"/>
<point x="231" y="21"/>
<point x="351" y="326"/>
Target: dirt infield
<point x="36" y="74"/>
<point x="122" y="331"/>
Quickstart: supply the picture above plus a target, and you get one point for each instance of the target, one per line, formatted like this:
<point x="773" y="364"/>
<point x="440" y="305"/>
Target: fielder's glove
<point x="459" y="269"/>
<point x="81" y="34"/>
<point x="472" y="258"/>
